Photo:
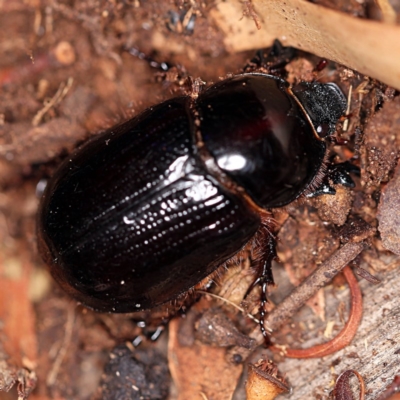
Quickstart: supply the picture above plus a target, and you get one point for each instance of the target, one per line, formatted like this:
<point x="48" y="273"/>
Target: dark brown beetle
<point x="144" y="212"/>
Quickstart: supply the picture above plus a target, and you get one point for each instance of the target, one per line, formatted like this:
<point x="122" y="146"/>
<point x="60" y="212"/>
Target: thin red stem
<point x="348" y="332"/>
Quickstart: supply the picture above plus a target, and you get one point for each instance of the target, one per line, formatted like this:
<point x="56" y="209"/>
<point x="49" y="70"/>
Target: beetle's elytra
<point x="145" y="211"/>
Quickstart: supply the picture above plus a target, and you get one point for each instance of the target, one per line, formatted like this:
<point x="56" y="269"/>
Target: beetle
<point x="146" y="211"/>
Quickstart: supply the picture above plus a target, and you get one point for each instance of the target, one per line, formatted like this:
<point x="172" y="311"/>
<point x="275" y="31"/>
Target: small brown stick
<point x="62" y="91"/>
<point x="317" y="280"/>
<point x="289" y="306"/>
<point x="362" y="273"/>
<point x="348" y="332"/>
<point x="69" y="327"/>
<point x="249" y="11"/>
<point x="342" y="389"/>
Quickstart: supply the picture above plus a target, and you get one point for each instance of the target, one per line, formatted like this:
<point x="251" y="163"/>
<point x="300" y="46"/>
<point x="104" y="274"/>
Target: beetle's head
<point x="324" y="103"/>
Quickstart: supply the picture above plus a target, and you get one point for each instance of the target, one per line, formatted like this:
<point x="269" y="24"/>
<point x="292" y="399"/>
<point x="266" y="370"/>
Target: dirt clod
<point x="135" y="375"/>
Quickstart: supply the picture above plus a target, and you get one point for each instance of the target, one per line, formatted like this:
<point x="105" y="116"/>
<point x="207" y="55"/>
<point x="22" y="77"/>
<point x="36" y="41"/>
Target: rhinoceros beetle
<point x="147" y="210"/>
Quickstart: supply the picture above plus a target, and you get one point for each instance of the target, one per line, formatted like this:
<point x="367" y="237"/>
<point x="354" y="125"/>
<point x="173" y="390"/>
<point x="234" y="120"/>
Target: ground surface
<point x="64" y="76"/>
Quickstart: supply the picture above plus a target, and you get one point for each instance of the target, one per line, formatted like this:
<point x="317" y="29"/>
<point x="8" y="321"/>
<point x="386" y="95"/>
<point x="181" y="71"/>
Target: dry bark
<point x="374" y="353"/>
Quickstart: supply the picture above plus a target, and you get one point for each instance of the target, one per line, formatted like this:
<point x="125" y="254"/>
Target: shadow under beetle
<point x="144" y="212"/>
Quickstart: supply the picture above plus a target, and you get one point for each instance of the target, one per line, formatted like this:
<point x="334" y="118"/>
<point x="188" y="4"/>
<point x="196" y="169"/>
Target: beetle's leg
<point x="182" y="22"/>
<point x="161" y="66"/>
<point x="337" y="174"/>
<point x="263" y="275"/>
<point x="166" y="72"/>
<point x="273" y="59"/>
<point x="154" y="323"/>
<point x="151" y="332"/>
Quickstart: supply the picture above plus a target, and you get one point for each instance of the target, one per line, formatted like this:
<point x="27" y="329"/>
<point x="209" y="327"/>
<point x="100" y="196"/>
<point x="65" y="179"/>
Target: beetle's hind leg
<point x="152" y="334"/>
<point x="265" y="243"/>
<point x="155" y="321"/>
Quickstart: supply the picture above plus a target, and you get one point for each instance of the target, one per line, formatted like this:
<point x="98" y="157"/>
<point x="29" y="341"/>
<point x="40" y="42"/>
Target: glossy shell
<point x="133" y="219"/>
<point x="145" y="211"/>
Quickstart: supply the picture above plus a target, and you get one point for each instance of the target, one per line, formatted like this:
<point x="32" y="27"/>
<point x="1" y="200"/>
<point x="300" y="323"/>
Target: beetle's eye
<point x="323" y="130"/>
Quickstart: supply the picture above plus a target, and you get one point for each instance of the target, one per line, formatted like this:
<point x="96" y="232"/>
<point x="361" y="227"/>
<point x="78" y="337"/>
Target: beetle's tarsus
<point x="137" y="340"/>
<point x="167" y="73"/>
<point x="157" y="333"/>
<point x="338" y="174"/>
<point x="161" y="66"/>
<point x="264" y="278"/>
<point x="324" y="188"/>
<point x="152" y="333"/>
<point x="273" y="60"/>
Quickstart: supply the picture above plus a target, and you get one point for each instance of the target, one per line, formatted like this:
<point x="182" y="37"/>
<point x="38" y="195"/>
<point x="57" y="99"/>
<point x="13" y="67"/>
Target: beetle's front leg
<point x="337" y="174"/>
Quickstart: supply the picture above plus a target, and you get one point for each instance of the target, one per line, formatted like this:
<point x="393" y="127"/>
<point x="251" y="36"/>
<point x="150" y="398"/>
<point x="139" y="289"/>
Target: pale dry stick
<point x="347" y="112"/>
<point x="203" y="395"/>
<point x="248" y="315"/>
<point x="62" y="91"/>
<point x="69" y="325"/>
<point x="317" y="280"/>
<point x="369" y="47"/>
<point x="389" y="15"/>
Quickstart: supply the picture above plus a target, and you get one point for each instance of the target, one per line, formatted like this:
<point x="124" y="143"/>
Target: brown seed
<point x="64" y="53"/>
